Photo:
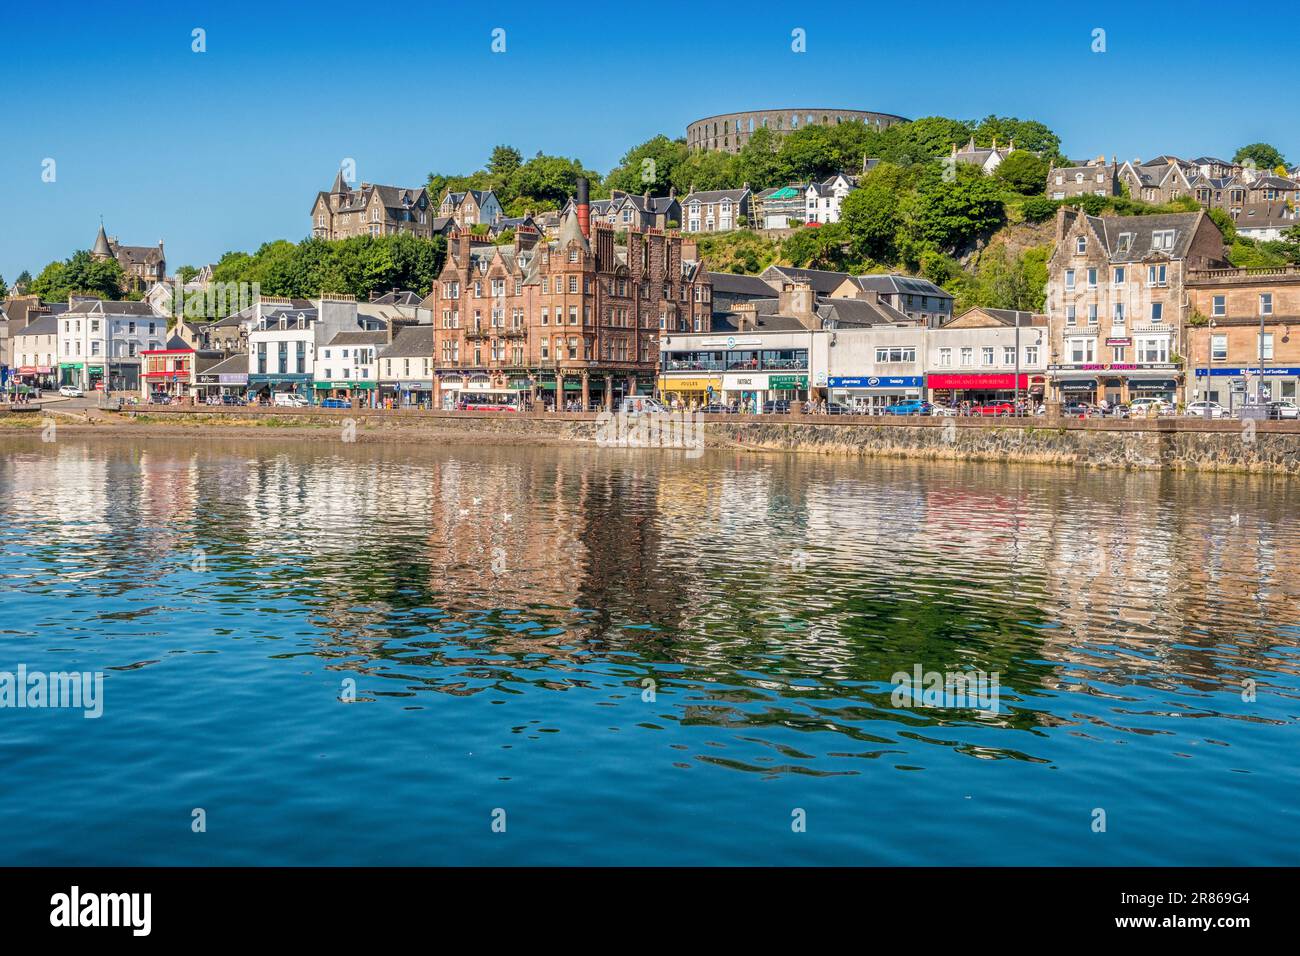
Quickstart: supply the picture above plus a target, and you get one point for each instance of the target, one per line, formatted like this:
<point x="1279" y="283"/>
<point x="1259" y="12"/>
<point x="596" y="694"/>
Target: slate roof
<point x="730" y="284"/>
<point x="413" y="341"/>
<point x="359" y="338"/>
<point x="891" y="284"/>
<point x="233" y="365"/>
<point x="823" y="283"/>
<point x="859" y="313"/>
<point x="45" y="325"/>
<point x="1110" y="228"/>
<point x="716" y="195"/>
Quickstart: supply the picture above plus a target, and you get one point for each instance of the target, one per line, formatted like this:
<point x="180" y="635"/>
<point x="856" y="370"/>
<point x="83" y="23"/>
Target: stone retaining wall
<point x="1166" y="443"/>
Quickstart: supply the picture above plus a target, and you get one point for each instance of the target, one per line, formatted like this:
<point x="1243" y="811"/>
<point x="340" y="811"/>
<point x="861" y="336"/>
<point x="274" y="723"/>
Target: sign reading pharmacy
<point x="877" y="381"/>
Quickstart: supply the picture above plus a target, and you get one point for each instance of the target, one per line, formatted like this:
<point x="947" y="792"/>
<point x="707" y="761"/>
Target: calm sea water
<point x="632" y="657"/>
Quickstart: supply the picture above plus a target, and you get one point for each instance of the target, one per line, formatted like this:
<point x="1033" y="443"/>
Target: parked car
<point x="335" y="403"/>
<point x="71" y="391"/>
<point x="1199" y="409"/>
<point x="838" y="408"/>
<point x="994" y="409"/>
<point x="1283" y="409"/>
<point x="160" y="398"/>
<point x="232" y="400"/>
<point x="1075" y="409"/>
<point x="717" y="408"/>
<point x="944" y="411"/>
<point x="641" y="405"/>
<point x="778" y="407"/>
<point x="288" y="400"/>
<point x="913" y="406"/>
<point x="1149" y="406"/>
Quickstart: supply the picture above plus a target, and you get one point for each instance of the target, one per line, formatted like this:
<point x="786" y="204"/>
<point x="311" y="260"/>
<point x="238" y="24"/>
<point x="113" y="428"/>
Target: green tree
<point x="23" y="283"/>
<point x="873" y="213"/>
<point x="825" y="247"/>
<point x="760" y="162"/>
<point x="80" y="275"/>
<point x="1024" y="173"/>
<point x="504" y="162"/>
<point x="707" y="170"/>
<point x="1262" y="155"/>
<point x="1026" y="134"/>
<point x="4" y="289"/>
<point x="923" y="139"/>
<point x="652" y="165"/>
<point x="950" y="212"/>
<point x="1226" y="226"/>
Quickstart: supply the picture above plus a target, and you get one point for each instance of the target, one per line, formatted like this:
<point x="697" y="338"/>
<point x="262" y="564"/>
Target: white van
<point x="288" y="400"/>
<point x="641" y="405"/>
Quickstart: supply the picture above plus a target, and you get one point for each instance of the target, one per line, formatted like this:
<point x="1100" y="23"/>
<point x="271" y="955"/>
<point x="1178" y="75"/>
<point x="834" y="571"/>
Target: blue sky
<point x="225" y="149"/>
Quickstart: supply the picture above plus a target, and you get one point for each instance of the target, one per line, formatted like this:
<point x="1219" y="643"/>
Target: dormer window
<point x="1162" y="239"/>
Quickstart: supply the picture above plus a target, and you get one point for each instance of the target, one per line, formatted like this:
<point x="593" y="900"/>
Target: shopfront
<point x="863" y="393"/>
<point x="264" y="387"/>
<point x="37" y="376"/>
<point x="753" y="390"/>
<point x="701" y="390"/>
<point x="1115" y="383"/>
<point x="409" y="394"/>
<point x="980" y="388"/>
<point x="351" y="391"/>
<point x="1234" y="387"/>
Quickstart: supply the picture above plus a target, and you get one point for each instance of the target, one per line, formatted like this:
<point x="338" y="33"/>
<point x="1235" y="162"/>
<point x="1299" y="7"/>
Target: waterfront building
<point x="173" y="370"/>
<point x="35" y="352"/>
<point x="226" y="377"/>
<point x="576" y="319"/>
<point x="100" y="342"/>
<point x="788" y="348"/>
<point x="1116" y="303"/>
<point x="1240" y="343"/>
<point x="348" y="367"/>
<point x="285" y="339"/>
<point x="406" y="368"/>
<point x="915" y="297"/>
<point x="370" y="210"/>
<point x="987" y="355"/>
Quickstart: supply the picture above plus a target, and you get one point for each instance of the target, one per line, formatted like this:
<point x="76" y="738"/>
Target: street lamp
<point x="1209" y="371"/>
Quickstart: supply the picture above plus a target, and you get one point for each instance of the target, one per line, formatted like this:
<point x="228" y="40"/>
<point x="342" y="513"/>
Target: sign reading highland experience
<point x="874" y="381"/>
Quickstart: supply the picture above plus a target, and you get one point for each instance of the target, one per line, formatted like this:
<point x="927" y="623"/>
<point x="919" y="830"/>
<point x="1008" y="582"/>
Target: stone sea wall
<point x="1166" y="443"/>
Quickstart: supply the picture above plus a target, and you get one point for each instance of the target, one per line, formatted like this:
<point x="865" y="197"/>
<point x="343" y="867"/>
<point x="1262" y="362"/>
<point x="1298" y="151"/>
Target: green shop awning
<point x="570" y="385"/>
<point x="349" y="385"/>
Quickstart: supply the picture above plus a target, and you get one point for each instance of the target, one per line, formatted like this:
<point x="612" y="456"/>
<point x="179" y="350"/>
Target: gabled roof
<point x="413" y="341"/>
<point x="716" y="195"/>
<point x="860" y="313"/>
<point x="728" y="283"/>
<point x="1140" y="229"/>
<point x="891" y="284"/>
<point x="823" y="283"/>
<point x="358" y="337"/>
<point x="45" y="325"/>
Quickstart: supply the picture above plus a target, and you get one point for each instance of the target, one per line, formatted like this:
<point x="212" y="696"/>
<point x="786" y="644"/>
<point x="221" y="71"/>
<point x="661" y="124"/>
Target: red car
<point x="1000" y="409"/>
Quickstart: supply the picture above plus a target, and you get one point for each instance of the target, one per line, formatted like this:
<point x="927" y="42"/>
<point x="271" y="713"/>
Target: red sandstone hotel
<point x="577" y="319"/>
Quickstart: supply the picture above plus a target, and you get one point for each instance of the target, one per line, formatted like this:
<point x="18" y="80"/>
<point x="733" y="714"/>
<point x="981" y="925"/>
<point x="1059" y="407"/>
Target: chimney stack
<point x="582" y="203"/>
